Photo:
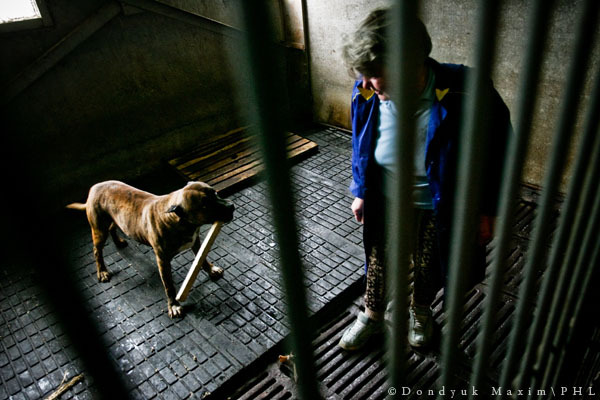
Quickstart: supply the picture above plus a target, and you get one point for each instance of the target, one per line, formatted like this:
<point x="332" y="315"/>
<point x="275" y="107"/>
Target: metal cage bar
<point x="468" y="184"/>
<point x="510" y="184"/>
<point x="569" y="236"/>
<point x="589" y="246"/>
<point x="265" y="111"/>
<point x="51" y="267"/>
<point x="587" y="281"/>
<point x="565" y="321"/>
<point x="577" y="254"/>
<point x="595" y="259"/>
<point x="402" y="66"/>
<point x="555" y="168"/>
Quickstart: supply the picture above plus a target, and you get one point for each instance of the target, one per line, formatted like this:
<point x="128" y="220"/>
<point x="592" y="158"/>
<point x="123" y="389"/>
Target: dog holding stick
<point x="168" y="223"/>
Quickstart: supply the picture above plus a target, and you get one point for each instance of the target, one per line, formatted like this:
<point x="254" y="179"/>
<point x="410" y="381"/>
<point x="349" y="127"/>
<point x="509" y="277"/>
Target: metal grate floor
<point x="362" y="374"/>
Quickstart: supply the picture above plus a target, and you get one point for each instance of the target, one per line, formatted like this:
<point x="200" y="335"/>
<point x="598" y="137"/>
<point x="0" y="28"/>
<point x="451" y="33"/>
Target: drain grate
<point x="362" y="374"/>
<point x="272" y="384"/>
<point x="347" y="375"/>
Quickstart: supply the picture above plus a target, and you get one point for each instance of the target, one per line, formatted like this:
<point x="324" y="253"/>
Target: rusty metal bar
<point x="468" y="184"/>
<point x="403" y="67"/>
<point x="263" y="81"/>
<point x="517" y="151"/>
<point x="542" y="228"/>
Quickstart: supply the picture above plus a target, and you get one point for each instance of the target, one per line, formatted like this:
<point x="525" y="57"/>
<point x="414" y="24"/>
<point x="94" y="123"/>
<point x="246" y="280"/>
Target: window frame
<point x="28" y="24"/>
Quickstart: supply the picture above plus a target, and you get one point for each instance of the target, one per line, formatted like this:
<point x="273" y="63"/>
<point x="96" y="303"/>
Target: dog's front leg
<point x="213" y="271"/>
<point x="164" y="268"/>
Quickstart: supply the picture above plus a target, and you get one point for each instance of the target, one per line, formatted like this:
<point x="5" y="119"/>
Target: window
<point x="22" y="14"/>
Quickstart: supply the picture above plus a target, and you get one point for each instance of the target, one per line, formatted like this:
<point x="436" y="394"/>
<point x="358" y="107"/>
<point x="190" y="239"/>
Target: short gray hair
<point x="364" y="51"/>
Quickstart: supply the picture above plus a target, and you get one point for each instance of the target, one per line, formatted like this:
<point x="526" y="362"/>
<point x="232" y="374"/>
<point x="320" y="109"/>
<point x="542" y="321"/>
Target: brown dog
<point x="168" y="223"/>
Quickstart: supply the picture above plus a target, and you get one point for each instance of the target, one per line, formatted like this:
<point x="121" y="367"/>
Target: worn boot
<point x="360" y="332"/>
<point x="420" y="326"/>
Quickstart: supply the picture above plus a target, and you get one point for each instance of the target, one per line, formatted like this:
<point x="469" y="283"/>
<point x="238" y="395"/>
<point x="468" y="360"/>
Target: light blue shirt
<point x="385" y="146"/>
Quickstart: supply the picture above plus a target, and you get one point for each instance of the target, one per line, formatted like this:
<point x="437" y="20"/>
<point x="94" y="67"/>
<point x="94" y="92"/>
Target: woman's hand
<point x="358" y="206"/>
<point x="486" y="229"/>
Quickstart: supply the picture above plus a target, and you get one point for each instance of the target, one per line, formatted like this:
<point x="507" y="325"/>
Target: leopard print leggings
<point x="425" y="259"/>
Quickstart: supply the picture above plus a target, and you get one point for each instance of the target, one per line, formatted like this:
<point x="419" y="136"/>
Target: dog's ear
<point x="177" y="209"/>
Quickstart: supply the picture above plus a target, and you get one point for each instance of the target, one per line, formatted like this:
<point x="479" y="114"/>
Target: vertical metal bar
<point x="569" y="233"/>
<point x="510" y="185"/>
<point x="307" y="52"/>
<point x="587" y="282"/>
<point x="52" y="268"/>
<point x="552" y="366"/>
<point x="581" y="274"/>
<point x="403" y="68"/>
<point x="551" y="183"/>
<point x="571" y="273"/>
<point x="264" y="80"/>
<point x="468" y="182"/>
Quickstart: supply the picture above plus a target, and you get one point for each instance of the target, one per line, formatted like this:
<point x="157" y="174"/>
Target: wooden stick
<point x="199" y="261"/>
<point x="64" y="387"/>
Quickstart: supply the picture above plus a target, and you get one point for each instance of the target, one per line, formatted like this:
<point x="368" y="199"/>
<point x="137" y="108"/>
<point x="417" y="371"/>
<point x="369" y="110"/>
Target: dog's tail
<point x="77" y="206"/>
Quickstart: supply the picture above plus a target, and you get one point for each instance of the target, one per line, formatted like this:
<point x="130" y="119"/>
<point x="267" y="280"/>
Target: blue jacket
<point x="441" y="143"/>
<point x="441" y="152"/>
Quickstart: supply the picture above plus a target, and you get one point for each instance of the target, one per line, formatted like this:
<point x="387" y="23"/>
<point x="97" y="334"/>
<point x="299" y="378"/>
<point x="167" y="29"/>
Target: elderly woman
<point x="437" y="123"/>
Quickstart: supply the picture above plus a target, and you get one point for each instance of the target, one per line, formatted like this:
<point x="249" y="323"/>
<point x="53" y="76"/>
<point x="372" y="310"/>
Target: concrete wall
<point x="452" y="25"/>
<point x="141" y="89"/>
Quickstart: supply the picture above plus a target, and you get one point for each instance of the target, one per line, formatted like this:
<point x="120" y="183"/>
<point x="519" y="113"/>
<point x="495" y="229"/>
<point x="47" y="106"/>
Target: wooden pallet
<point x="232" y="159"/>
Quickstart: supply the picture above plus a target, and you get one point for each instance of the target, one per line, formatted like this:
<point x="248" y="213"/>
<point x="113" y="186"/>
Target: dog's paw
<point x="215" y="273"/>
<point x="175" y="311"/>
<point x="121" y="243"/>
<point x="103" y="276"/>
